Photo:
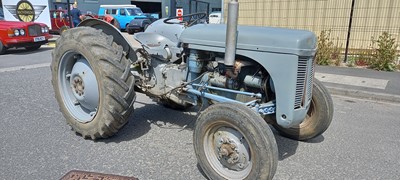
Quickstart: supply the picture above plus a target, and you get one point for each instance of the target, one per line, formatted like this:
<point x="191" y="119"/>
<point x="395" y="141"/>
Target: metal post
<point x="172" y="9"/>
<point x="349" y="31"/>
<point x="231" y="33"/>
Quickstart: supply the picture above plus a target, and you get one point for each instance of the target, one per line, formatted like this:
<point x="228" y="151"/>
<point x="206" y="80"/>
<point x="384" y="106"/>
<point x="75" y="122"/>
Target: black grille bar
<point x="305" y="74"/>
<point x="34" y="30"/>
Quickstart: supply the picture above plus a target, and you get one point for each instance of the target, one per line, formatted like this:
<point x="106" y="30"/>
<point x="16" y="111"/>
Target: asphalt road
<point x="363" y="141"/>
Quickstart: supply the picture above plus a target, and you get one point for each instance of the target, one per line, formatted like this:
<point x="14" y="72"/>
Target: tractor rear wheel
<point x="92" y="82"/>
<point x="318" y="119"/>
<point x="231" y="141"/>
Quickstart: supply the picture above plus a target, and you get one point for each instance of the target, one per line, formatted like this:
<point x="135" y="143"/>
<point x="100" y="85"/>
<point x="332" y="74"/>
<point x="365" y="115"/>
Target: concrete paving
<point x="361" y="83"/>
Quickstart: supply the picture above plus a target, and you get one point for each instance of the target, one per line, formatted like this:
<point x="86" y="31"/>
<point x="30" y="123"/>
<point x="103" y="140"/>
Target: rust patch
<point x="85" y="175"/>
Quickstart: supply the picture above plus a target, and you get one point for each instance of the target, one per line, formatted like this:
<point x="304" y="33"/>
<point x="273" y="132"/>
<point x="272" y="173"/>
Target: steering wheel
<point x="193" y="18"/>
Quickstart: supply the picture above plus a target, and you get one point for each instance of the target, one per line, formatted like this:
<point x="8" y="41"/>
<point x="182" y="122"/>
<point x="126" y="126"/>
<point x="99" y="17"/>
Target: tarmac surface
<point x="354" y="82"/>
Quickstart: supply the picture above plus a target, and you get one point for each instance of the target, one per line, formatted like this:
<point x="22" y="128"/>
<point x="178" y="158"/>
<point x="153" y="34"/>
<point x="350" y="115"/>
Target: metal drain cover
<point x="85" y="175"/>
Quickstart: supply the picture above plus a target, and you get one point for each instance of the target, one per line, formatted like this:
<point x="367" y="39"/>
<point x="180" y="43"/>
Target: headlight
<point x="42" y="29"/>
<point x="46" y="29"/>
<point x="22" y="32"/>
<point x="16" y="32"/>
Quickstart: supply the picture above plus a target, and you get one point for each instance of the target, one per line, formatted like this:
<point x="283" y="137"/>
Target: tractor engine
<point x="162" y="79"/>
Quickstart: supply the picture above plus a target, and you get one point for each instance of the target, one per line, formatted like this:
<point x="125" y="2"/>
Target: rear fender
<point x="157" y="44"/>
<point x="111" y="30"/>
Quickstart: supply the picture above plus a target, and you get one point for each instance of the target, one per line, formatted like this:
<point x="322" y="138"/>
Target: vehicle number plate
<point x="40" y="38"/>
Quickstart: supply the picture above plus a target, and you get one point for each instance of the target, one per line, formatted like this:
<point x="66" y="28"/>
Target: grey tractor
<point x="246" y="78"/>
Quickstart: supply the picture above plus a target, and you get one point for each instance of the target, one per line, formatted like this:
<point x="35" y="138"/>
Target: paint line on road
<point x="352" y="80"/>
<point x="19" y="68"/>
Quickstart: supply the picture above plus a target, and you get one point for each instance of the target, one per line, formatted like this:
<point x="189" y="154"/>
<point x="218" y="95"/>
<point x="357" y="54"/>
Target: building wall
<point x="185" y="4"/>
<point x="370" y="18"/>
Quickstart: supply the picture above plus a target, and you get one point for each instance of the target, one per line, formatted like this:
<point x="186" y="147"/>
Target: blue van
<point x="122" y="13"/>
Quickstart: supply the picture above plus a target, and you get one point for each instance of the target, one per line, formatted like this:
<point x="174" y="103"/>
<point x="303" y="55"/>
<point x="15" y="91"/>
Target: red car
<point x="29" y="35"/>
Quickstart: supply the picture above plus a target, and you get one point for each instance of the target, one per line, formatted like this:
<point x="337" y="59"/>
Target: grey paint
<point x="268" y="39"/>
<point x="107" y="28"/>
<point x="276" y="49"/>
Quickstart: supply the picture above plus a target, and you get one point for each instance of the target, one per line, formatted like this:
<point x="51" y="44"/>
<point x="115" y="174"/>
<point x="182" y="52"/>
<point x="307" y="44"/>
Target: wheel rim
<point x="310" y="114"/>
<point x="228" y="151"/>
<point x="78" y="87"/>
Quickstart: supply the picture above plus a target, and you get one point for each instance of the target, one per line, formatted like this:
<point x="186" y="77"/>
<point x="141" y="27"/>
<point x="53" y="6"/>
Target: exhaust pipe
<point x="231" y="34"/>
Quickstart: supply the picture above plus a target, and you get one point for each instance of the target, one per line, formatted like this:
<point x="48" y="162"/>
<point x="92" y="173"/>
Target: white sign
<point x="27" y="11"/>
<point x="179" y="13"/>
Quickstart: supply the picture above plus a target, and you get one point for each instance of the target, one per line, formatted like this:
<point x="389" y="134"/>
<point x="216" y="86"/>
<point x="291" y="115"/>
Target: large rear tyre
<point x="92" y="82"/>
<point x="232" y="141"/>
<point x="319" y="116"/>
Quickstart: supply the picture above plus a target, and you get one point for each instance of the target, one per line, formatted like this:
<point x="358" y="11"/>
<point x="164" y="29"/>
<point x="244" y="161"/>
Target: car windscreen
<point x="134" y="11"/>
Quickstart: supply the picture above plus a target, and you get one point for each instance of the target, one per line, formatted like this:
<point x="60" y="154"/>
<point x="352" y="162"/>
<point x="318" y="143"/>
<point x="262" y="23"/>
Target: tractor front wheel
<point x="231" y="141"/>
<point x="318" y="119"/>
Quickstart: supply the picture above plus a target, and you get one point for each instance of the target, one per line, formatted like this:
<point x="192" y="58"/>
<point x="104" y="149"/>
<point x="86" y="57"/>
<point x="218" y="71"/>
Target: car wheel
<point x="2" y="48"/>
<point x="130" y="31"/>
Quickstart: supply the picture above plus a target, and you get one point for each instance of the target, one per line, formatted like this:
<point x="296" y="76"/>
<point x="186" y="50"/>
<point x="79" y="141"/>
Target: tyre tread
<point x="113" y="68"/>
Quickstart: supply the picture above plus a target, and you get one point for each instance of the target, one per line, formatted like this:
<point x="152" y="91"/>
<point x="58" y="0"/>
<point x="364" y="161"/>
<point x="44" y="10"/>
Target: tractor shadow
<point x="288" y="147"/>
<point x="146" y="115"/>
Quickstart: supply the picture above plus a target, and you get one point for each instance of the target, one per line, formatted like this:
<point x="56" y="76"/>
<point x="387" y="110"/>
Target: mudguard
<point x="113" y="31"/>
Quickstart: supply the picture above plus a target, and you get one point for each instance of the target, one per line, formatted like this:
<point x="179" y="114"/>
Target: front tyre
<point x="2" y="48"/>
<point x="92" y="82"/>
<point x="318" y="119"/>
<point x="232" y="141"/>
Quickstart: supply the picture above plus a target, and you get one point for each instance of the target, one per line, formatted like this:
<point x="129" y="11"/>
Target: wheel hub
<point x="232" y="149"/>
<point x="78" y="85"/>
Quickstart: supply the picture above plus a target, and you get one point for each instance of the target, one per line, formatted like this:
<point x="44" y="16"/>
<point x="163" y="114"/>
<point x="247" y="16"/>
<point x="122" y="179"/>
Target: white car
<point x="215" y="18"/>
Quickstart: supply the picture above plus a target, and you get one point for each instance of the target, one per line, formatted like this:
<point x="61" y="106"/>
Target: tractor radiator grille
<point x="305" y="75"/>
<point x="34" y="30"/>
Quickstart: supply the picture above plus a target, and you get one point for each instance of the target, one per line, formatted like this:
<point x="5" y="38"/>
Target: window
<point x="134" y="11"/>
<point x="215" y="9"/>
<point x="91" y="1"/>
<point x="122" y="12"/>
<point x="113" y="11"/>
